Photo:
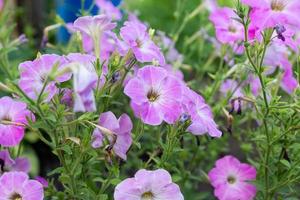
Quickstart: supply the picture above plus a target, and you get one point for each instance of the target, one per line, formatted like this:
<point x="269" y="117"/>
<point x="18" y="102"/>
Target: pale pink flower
<point x="137" y="39"/>
<point x="121" y="128"/>
<point x="106" y="7"/>
<point x="146" y="185"/>
<point x="17" y="185"/>
<point x="34" y="74"/>
<point x="200" y="113"/>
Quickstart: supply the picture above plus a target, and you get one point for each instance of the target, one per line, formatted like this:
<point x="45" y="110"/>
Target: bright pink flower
<point x="228" y="30"/>
<point x="148" y="185"/>
<point x="33" y="75"/>
<point x="121" y="128"/>
<point x="269" y="13"/>
<point x="17" y="185"/>
<point x="107" y="8"/>
<point x="137" y="39"/>
<point x="230" y="178"/>
<point x="8" y="164"/>
<point x="13" y="119"/>
<point x="200" y="113"/>
<point x="155" y="95"/>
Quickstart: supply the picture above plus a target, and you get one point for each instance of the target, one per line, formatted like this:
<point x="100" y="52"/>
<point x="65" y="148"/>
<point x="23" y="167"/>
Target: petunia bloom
<point x="228" y="30"/>
<point x="17" y="185"/>
<point x="148" y="185"/>
<point x="94" y="27"/>
<point x="155" y="95"/>
<point x="8" y="164"/>
<point x="42" y="181"/>
<point x="230" y="179"/>
<point x="13" y="119"/>
<point x="119" y="128"/>
<point x="201" y="114"/>
<point x="84" y="80"/>
<point x="107" y="8"/>
<point x="34" y="74"/>
<point x="137" y="39"/>
<point x="269" y="13"/>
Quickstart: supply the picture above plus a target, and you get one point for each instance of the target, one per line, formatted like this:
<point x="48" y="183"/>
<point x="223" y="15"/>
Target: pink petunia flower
<point x="277" y="56"/>
<point x="8" y="164"/>
<point x="107" y="8"/>
<point x="228" y="30"/>
<point x="17" y="185"/>
<point x="200" y="113"/>
<point x="84" y="80"/>
<point x="230" y="179"/>
<point x="148" y="185"/>
<point x="33" y="75"/>
<point x="121" y="128"/>
<point x="269" y="13"/>
<point x="42" y="181"/>
<point x="137" y="39"/>
<point x="155" y="95"/>
<point x="13" y="119"/>
<point x="92" y="28"/>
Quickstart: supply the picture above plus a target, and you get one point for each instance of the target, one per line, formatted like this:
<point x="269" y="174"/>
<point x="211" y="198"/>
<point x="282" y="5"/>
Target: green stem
<point x="258" y="71"/>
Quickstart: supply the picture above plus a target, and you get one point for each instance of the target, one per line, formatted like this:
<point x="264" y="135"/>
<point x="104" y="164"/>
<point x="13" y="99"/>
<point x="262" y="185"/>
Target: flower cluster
<point x="119" y="100"/>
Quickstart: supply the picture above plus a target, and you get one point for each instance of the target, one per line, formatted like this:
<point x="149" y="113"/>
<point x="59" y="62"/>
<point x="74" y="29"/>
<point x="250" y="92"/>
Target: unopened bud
<point x="115" y="77"/>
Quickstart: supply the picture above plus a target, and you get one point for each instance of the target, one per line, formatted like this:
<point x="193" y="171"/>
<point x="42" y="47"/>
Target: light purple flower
<point x="109" y="43"/>
<point x="146" y="185"/>
<point x="155" y="95"/>
<point x="13" y="119"/>
<point x="228" y="30"/>
<point x="8" y="164"/>
<point x="92" y="29"/>
<point x="288" y="82"/>
<point x="33" y="75"/>
<point x="277" y="56"/>
<point x="137" y="39"/>
<point x="107" y="8"/>
<point x="42" y="181"/>
<point x="121" y="128"/>
<point x="84" y="80"/>
<point x="168" y="46"/>
<point x="230" y="179"/>
<point x="201" y="114"/>
<point x="17" y="185"/>
<point x="269" y="13"/>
